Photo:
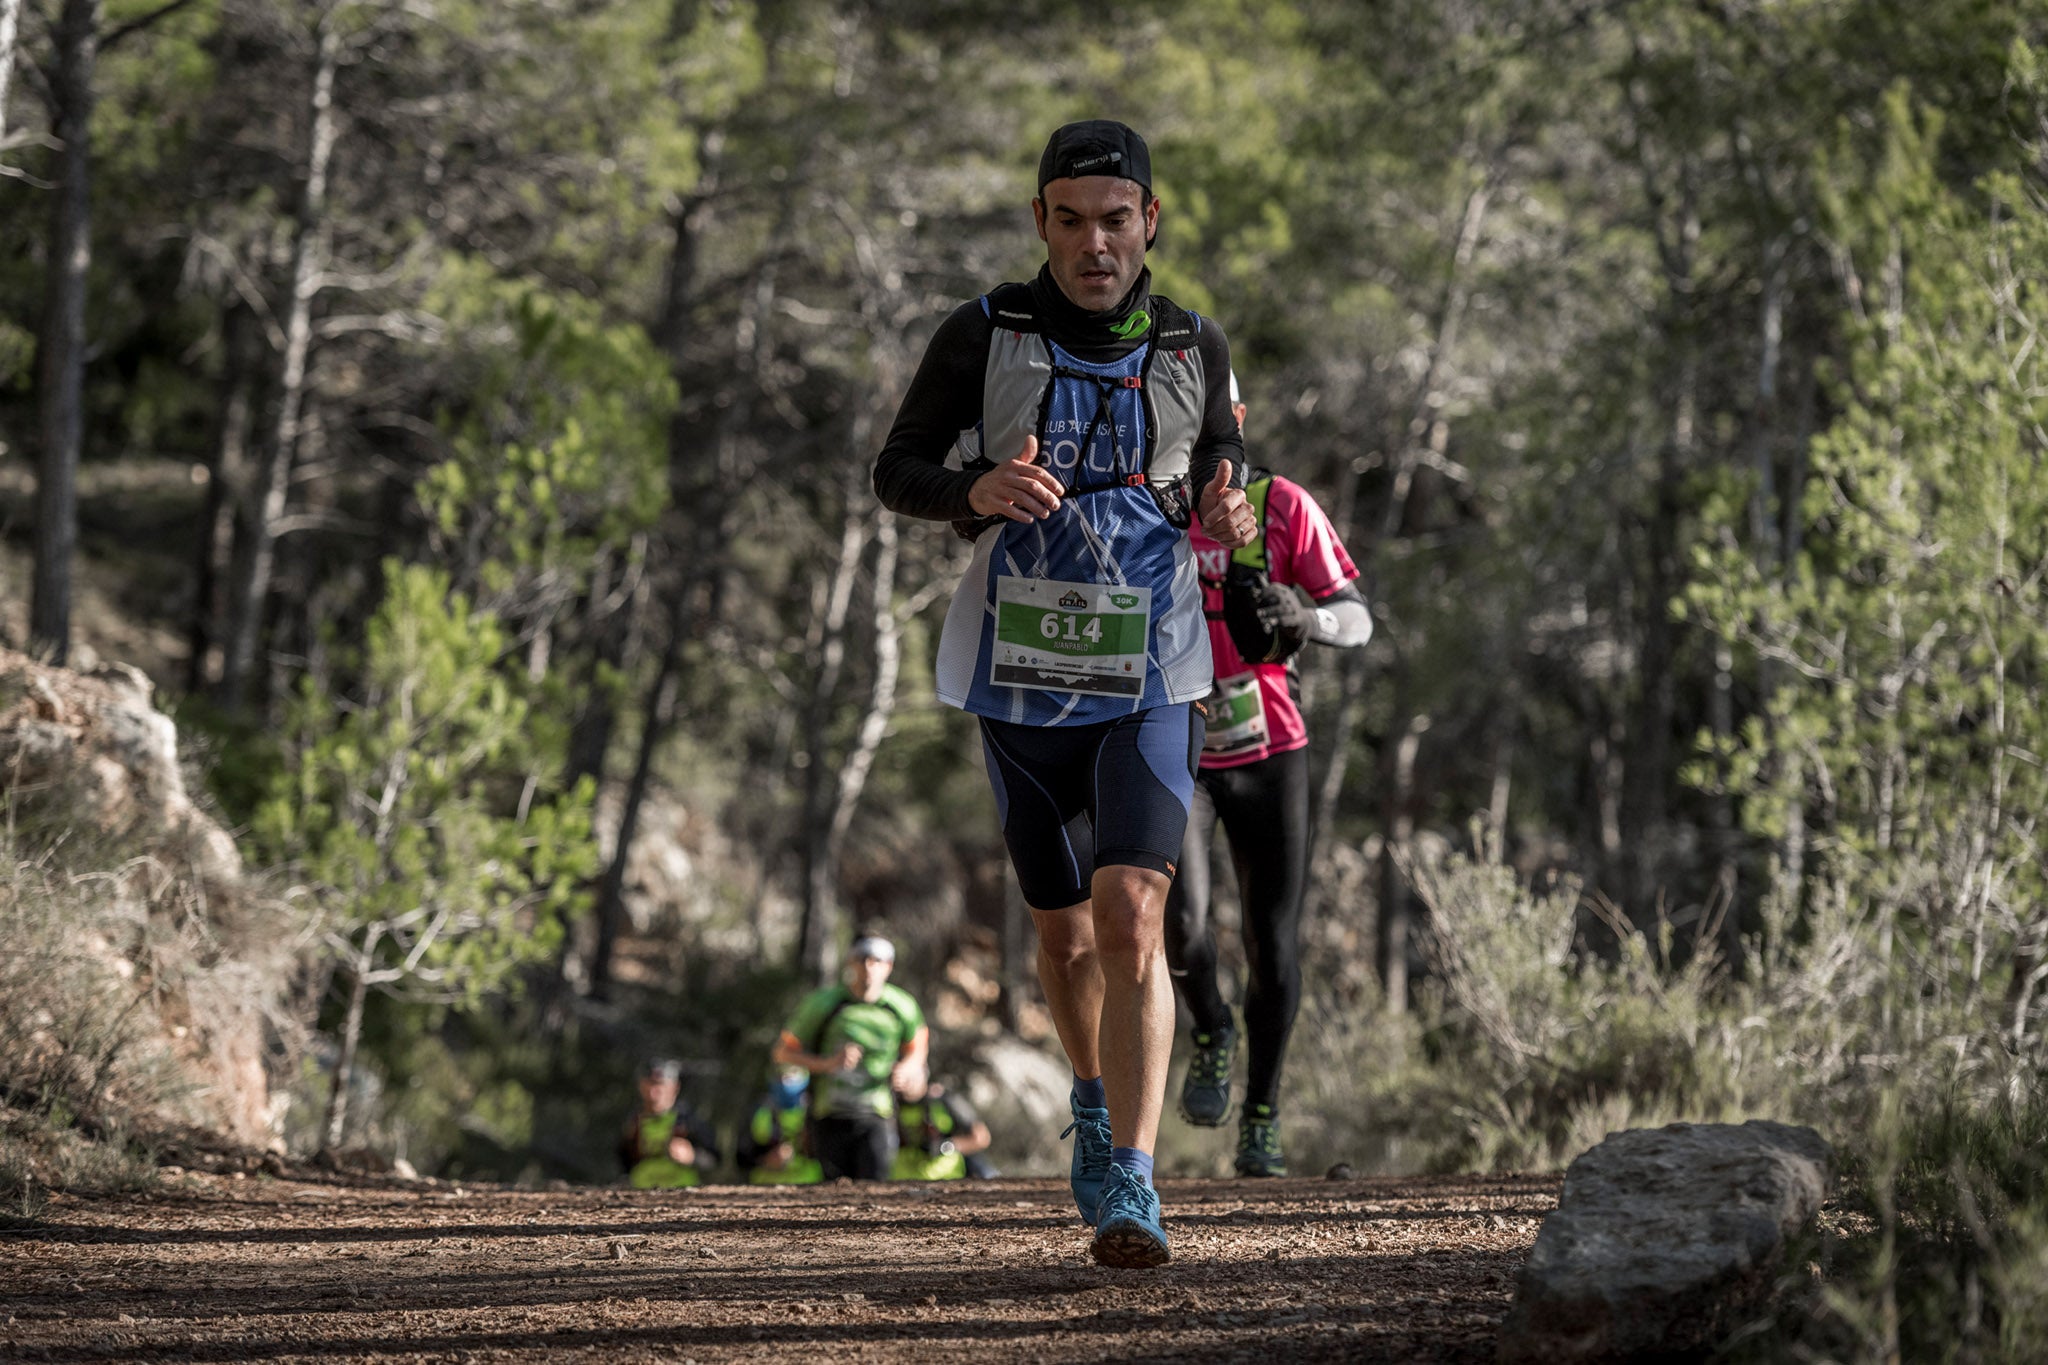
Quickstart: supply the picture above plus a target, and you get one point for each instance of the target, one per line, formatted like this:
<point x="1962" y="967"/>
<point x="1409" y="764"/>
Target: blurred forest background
<point x="464" y="409"/>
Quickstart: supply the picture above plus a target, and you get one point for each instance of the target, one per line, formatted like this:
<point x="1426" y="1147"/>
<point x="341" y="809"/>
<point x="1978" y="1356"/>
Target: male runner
<point x="1096" y="418"/>
<point x="861" y="1040"/>
<point x="1254" y="776"/>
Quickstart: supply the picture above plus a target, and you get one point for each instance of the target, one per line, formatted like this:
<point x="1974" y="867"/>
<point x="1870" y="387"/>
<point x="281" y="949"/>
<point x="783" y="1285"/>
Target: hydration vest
<point x="1017" y="391"/>
<point x="1140" y="415"/>
<point x="815" y="1044"/>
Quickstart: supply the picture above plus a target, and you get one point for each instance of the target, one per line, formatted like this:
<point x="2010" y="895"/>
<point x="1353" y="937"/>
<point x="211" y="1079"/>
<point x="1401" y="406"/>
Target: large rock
<point x="90" y="750"/>
<point x="98" y="738"/>
<point x="1664" y="1241"/>
<point x="1022" y="1092"/>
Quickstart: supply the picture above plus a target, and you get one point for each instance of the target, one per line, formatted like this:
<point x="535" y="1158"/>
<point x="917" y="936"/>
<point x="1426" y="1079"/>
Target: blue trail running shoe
<point x="1128" y="1235"/>
<point x="1091" y="1156"/>
<point x="1205" y="1091"/>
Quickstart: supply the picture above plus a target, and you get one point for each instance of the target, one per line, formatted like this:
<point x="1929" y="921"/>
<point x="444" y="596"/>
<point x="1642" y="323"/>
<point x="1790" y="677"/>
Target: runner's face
<point x="658" y="1093"/>
<point x="865" y="976"/>
<point x="1095" y="228"/>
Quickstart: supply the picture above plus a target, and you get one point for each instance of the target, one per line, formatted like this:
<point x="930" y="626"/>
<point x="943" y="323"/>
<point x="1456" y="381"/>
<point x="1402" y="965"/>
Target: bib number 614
<point x="1059" y="626"/>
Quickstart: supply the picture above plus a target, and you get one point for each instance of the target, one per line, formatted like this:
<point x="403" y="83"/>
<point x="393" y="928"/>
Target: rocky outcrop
<point x="1664" y="1241"/>
<point x="146" y="900"/>
<point x="98" y="739"/>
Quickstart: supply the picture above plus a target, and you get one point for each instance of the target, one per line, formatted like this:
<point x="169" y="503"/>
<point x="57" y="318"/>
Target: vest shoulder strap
<point x="1174" y="328"/>
<point x="1256" y="487"/>
<point x="815" y="1044"/>
<point x="1009" y="306"/>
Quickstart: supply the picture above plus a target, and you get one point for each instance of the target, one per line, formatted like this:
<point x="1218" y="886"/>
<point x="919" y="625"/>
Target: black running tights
<point x="1265" y="815"/>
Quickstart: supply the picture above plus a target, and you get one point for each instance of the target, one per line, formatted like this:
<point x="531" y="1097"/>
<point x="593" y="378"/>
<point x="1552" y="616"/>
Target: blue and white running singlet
<point x="1095" y="612"/>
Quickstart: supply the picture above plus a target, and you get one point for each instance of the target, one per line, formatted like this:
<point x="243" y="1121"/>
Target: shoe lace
<point x="1211" y="1062"/>
<point x="1120" y="1187"/>
<point x="1259" y="1137"/>
<point x="1094" y="1139"/>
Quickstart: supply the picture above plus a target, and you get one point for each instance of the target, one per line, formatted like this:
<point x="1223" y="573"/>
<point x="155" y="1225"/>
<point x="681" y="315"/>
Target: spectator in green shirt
<point x="861" y="1040"/>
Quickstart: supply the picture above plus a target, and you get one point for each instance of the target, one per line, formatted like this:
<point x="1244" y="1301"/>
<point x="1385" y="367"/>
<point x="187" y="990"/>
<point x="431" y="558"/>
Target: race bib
<point x="1071" y="637"/>
<point x="1237" y="716"/>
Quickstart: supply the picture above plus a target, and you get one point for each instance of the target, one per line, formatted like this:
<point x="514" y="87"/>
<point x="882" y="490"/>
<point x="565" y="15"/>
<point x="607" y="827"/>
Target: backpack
<point x="1173" y="328"/>
<point x="1246" y="581"/>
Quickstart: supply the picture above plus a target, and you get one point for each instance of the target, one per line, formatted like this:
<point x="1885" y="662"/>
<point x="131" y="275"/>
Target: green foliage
<point x="1945" y="1259"/>
<point x="412" y="807"/>
<point x="560" y="443"/>
<point x="1905" y="645"/>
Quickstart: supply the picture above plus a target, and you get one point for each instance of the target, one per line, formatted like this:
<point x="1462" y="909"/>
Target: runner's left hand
<point x="1226" y="512"/>
<point x="907" y="1076"/>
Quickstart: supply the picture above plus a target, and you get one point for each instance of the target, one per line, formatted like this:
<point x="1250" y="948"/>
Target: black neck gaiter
<point x="1108" y="335"/>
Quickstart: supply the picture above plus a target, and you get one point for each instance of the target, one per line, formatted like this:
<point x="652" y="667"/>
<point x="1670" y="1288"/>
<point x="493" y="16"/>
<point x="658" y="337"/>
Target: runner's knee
<point x="1130" y="912"/>
<point x="1066" y="941"/>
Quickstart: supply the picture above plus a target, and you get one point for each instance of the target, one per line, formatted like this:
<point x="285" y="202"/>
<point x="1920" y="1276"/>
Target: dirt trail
<point x="214" y="1269"/>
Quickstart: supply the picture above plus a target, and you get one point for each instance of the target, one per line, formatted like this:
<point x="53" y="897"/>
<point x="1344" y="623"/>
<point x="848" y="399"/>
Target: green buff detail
<point x="1134" y="326"/>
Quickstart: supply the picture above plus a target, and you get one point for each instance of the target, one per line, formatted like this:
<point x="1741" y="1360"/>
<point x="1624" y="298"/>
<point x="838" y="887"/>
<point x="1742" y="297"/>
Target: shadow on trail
<point x="794" y="1310"/>
<point x="989" y="1207"/>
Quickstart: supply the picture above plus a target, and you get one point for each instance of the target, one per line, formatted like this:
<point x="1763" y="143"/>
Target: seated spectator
<point x="774" y="1148"/>
<point x="940" y="1137"/>
<point x="664" y="1145"/>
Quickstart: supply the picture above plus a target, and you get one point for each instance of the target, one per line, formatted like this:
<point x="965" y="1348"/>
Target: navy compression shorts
<point x="1072" y="798"/>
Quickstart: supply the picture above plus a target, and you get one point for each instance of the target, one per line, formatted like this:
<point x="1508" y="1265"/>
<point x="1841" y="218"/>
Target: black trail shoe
<point x="1205" y="1092"/>
<point x="1258" y="1142"/>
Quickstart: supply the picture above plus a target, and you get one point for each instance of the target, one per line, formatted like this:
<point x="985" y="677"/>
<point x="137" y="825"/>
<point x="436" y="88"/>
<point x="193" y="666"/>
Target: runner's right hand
<point x="847" y="1058"/>
<point x="1020" y="489"/>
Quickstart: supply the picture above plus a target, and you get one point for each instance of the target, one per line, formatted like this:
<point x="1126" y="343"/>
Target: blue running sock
<point x="1131" y="1159"/>
<point x="1089" y="1094"/>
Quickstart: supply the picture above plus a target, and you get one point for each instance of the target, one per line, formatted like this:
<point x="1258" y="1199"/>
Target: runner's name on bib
<point x="1237" y="717"/>
<point x="1071" y="637"/>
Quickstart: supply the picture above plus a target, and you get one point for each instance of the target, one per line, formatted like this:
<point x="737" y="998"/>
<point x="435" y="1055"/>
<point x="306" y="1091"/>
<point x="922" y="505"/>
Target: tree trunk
<point x="1398" y="821"/>
<point x="853" y="773"/>
<point x="10" y="20"/>
<point x="819" y="919"/>
<point x="693" y="485"/>
<point x="1650" y="766"/>
<point x="1427" y="432"/>
<point x="351" y="1034"/>
<point x="226" y="473"/>
<point x="308" y="261"/>
<point x="660" y="712"/>
<point x="61" y="351"/>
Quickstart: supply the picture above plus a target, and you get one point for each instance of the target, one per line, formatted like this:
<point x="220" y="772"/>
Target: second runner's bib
<point x="1237" y="716"/>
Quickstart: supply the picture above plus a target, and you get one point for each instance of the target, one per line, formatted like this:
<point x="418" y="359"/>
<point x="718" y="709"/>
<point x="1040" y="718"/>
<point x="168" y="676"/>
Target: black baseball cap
<point x="1096" y="146"/>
